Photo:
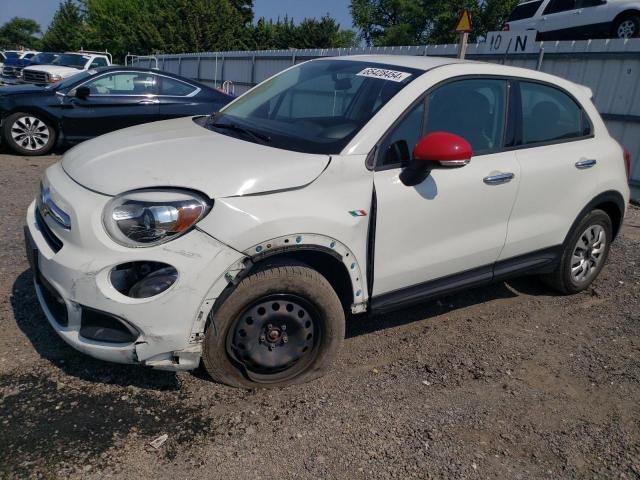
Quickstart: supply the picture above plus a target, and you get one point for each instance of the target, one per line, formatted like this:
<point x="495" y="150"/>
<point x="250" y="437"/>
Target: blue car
<point x="13" y="65"/>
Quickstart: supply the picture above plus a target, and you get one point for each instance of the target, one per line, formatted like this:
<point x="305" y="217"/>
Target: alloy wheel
<point x="588" y="254"/>
<point x="627" y="29"/>
<point x="30" y="133"/>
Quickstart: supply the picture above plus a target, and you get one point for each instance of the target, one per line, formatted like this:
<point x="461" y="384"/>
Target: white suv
<point x="245" y="237"/>
<point x="65" y="65"/>
<point x="577" y="19"/>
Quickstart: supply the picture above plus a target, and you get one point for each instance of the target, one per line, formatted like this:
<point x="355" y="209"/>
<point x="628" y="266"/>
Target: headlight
<point x="145" y="218"/>
<point x="54" y="78"/>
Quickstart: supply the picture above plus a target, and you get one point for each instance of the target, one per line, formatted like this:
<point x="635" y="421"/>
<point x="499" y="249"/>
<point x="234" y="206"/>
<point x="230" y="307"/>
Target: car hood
<point x="54" y="70"/>
<point x="23" y="88"/>
<point x="182" y="154"/>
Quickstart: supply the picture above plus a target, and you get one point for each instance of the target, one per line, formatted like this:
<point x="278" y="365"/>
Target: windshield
<point x="316" y="107"/>
<point x="71" y="60"/>
<point x="72" y="80"/>
<point x="43" y="58"/>
<point x="11" y="54"/>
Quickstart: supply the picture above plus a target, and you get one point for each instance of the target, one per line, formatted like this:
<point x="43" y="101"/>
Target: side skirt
<point x="541" y="261"/>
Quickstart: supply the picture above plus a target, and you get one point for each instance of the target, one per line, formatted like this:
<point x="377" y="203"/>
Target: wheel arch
<point x="34" y="110"/>
<point x="629" y="12"/>
<point x="331" y="258"/>
<point x="612" y="203"/>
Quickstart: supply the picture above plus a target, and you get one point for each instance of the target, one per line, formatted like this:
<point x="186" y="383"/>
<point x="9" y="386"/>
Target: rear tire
<point x="627" y="27"/>
<point x="281" y="326"/>
<point x="28" y="134"/>
<point x="584" y="254"/>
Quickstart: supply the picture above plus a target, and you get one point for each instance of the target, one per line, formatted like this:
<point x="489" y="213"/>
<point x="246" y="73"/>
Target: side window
<point x="473" y="109"/>
<point x="557" y="6"/>
<point x="123" y="83"/>
<point x="28" y="56"/>
<point x="589" y="3"/>
<point x="397" y="147"/>
<point x="175" y="88"/>
<point x="550" y="115"/>
<point x="523" y="11"/>
<point x="98" y="62"/>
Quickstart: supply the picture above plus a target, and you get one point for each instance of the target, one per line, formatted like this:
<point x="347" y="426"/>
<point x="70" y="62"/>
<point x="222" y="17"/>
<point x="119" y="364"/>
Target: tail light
<point x="505" y="28"/>
<point x="627" y="162"/>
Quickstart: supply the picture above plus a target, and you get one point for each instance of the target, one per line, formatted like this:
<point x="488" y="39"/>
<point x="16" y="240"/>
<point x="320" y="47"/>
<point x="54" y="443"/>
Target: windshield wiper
<point x="259" y="137"/>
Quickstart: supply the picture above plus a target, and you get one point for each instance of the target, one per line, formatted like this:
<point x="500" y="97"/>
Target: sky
<point x="42" y="10"/>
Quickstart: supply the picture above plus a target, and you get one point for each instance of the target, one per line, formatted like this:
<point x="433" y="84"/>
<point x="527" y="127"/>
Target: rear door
<point x="455" y="221"/>
<point x="558" y="19"/>
<point x="559" y="161"/>
<point x="181" y="99"/>
<point x="117" y="100"/>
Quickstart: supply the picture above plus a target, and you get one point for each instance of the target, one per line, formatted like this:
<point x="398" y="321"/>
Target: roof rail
<point x="95" y="52"/>
<point x="130" y="58"/>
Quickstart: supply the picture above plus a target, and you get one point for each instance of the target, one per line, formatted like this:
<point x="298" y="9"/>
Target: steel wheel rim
<point x="588" y="254"/>
<point x="626" y="29"/>
<point x="267" y="352"/>
<point x="30" y="133"/>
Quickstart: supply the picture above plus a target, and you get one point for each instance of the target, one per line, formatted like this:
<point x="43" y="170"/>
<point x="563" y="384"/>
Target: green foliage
<point x="20" y="32"/>
<point x="172" y="26"/>
<point x="67" y="28"/>
<point x="417" y="22"/>
<point x="310" y="33"/>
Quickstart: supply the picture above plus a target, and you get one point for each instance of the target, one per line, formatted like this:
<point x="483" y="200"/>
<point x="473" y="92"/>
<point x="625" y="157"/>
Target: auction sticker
<point x="383" y="74"/>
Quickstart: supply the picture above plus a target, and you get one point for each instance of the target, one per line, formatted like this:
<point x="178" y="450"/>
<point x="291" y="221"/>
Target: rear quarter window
<point x="524" y="11"/>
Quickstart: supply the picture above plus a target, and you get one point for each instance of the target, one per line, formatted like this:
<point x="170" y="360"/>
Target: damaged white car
<point x="342" y="185"/>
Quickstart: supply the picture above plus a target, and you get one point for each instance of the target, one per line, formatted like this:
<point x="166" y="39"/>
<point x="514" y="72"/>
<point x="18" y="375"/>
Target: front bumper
<point x="78" y="270"/>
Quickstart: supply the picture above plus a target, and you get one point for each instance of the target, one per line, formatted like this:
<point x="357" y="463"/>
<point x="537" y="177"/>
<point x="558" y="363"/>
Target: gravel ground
<point x="509" y="381"/>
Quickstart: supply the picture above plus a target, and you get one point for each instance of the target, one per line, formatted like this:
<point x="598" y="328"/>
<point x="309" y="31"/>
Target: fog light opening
<point x="143" y="279"/>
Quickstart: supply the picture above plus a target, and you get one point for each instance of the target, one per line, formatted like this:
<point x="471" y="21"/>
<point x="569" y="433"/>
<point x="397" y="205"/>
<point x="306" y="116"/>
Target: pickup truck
<point x="66" y="65"/>
<point x="12" y="68"/>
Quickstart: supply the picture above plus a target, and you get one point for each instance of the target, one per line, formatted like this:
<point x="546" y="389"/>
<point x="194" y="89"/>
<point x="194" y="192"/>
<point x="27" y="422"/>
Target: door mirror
<point x="436" y="150"/>
<point x="447" y="149"/>
<point x="82" y="93"/>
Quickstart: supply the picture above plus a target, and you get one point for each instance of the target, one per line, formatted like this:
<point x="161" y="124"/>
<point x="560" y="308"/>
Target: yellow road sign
<point x="464" y="23"/>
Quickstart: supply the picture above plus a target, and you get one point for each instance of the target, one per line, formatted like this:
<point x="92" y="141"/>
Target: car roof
<point x="409" y="61"/>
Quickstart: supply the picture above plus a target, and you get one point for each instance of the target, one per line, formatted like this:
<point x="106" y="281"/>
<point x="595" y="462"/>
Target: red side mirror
<point x="446" y="148"/>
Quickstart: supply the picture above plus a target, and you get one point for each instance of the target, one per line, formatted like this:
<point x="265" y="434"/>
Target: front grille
<point x="9" y="71"/>
<point x="34" y="76"/>
<point x="104" y="327"/>
<point x="54" y="302"/>
<point x="54" y="242"/>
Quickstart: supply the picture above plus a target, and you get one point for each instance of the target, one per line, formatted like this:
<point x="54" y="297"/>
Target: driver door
<point x="451" y="227"/>
<point x="116" y="100"/>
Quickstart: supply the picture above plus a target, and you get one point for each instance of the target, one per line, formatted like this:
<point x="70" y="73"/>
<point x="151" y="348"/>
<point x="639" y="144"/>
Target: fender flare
<point x="611" y="196"/>
<point x="226" y="283"/>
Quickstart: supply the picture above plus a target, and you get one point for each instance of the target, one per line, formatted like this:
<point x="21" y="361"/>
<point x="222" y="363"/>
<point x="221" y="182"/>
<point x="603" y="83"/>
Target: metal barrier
<point x="611" y="68"/>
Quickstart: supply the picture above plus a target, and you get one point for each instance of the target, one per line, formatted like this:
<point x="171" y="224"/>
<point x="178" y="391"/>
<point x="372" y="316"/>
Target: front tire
<point x="281" y="326"/>
<point x="584" y="255"/>
<point x="28" y="134"/>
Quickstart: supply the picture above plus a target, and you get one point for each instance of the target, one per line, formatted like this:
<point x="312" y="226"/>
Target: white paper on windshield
<point x="390" y="75"/>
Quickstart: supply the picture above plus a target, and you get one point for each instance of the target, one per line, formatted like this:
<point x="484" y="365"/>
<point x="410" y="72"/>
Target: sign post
<point x="463" y="27"/>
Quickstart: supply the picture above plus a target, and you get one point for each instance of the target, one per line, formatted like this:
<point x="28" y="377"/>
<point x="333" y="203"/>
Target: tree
<point x="20" y="32"/>
<point x="67" y="29"/>
<point x="310" y="33"/>
<point x="417" y="22"/>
